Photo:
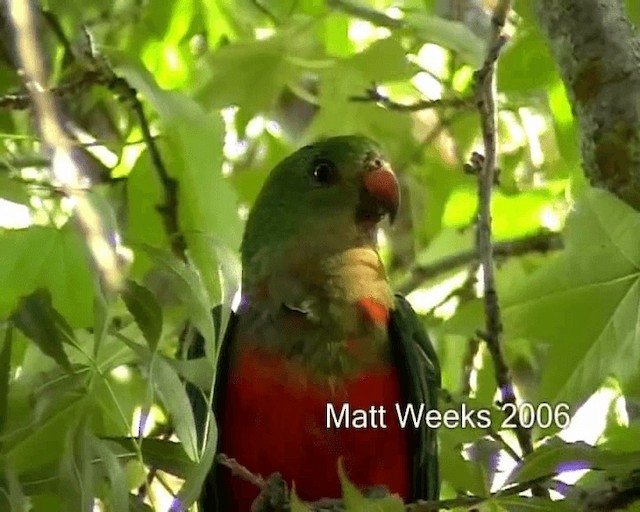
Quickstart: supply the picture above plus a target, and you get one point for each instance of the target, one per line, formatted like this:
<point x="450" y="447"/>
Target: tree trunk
<point x="598" y="53"/>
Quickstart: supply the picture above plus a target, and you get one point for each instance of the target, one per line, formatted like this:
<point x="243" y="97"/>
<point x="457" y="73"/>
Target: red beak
<point x="381" y="192"/>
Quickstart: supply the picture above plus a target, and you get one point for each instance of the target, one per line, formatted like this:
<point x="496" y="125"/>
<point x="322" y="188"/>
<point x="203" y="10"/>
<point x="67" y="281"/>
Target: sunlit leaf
<point x="355" y="501"/>
<point x="594" y="281"/>
<point x="45" y="257"/>
<point x="557" y="456"/>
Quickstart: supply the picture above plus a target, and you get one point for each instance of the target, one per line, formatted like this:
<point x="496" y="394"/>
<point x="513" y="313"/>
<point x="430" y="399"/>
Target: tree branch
<point x="21" y="100"/>
<point x="373" y="95"/>
<point x="66" y="167"/>
<point x="543" y="242"/>
<point x="486" y="102"/>
<point x="336" y="505"/>
<point x="598" y="53"/>
<point x="100" y="73"/>
<point x="366" y="13"/>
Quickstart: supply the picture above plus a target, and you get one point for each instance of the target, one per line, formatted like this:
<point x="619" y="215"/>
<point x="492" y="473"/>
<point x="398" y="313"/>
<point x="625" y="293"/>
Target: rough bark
<point x="598" y="53"/>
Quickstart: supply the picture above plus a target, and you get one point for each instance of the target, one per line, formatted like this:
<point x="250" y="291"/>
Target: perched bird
<point x="319" y="324"/>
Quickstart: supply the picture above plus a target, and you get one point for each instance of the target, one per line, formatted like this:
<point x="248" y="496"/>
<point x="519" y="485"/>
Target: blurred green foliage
<point x="90" y="392"/>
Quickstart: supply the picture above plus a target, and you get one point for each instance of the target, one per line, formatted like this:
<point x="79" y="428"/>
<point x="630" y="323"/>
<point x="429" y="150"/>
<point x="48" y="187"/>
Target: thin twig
<point x="168" y="210"/>
<point x="469" y="501"/>
<point x="473" y="347"/>
<point x="240" y="471"/>
<point x="336" y="505"/>
<point x="486" y="102"/>
<point x="542" y="242"/>
<point x="100" y="73"/>
<point x="447" y="398"/>
<point x="373" y="95"/>
<point x="366" y="13"/>
<point x="22" y="100"/>
<point x="263" y="9"/>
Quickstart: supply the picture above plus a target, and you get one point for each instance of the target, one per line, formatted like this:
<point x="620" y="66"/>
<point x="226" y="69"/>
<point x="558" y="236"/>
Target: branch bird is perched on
<point x="318" y="323"/>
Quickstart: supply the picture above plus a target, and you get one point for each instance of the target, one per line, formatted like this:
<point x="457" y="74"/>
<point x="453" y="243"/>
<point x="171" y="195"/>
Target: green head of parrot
<point x="328" y="195"/>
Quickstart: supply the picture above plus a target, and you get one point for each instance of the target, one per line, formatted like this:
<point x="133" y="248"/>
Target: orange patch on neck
<point x="373" y="311"/>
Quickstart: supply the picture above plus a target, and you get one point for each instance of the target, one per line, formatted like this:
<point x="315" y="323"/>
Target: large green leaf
<point x="528" y="50"/>
<point x="207" y="206"/>
<point x="252" y="74"/>
<point x="76" y="470"/>
<point x="585" y="302"/>
<point x="172" y="394"/>
<point x="46" y="257"/>
<point x="55" y="411"/>
<point x="557" y="456"/>
<point x="384" y="60"/>
<point x="118" y="488"/>
<point x="187" y="284"/>
<point x="454" y="35"/>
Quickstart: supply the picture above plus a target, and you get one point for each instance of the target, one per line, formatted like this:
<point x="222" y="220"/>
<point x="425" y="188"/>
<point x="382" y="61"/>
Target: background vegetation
<point x="122" y="200"/>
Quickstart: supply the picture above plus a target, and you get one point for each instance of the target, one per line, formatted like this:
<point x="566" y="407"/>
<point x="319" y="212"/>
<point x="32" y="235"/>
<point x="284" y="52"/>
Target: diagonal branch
<point x="542" y="242"/>
<point x="66" y="168"/>
<point x="373" y="95"/>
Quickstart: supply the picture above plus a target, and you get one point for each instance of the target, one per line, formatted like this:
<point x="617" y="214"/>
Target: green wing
<point x="420" y="379"/>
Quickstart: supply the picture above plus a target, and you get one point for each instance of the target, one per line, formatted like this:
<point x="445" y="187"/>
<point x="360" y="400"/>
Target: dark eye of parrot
<point x="324" y="172"/>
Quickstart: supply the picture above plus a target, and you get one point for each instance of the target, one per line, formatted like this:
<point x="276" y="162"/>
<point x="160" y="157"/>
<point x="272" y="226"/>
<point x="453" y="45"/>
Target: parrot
<point x="318" y="324"/>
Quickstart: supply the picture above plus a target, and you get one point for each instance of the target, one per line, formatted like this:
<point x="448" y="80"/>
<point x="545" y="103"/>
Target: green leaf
<point x="13" y="191"/>
<point x="192" y="487"/>
<point x="12" y="495"/>
<point x="596" y="281"/>
<point x="174" y="398"/>
<point x="513" y="215"/>
<point x="336" y="35"/>
<point x="185" y="281"/>
<point x="463" y="475"/>
<point x="253" y="74"/>
<point x="144" y="221"/>
<point x="167" y="456"/>
<point x="146" y="311"/>
<point x="5" y="376"/>
<point x="39" y="321"/>
<point x="557" y="456"/>
<point x="46" y="435"/>
<point x="197" y="371"/>
<point x="295" y="504"/>
<point x="526" y="51"/>
<point x="621" y="438"/>
<point x="368" y="62"/>
<point x="454" y="35"/>
<point x="76" y="471"/>
<point x="532" y="504"/>
<point x="118" y="490"/>
<point x="195" y="138"/>
<point x="45" y="257"/>
<point x="355" y="501"/>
